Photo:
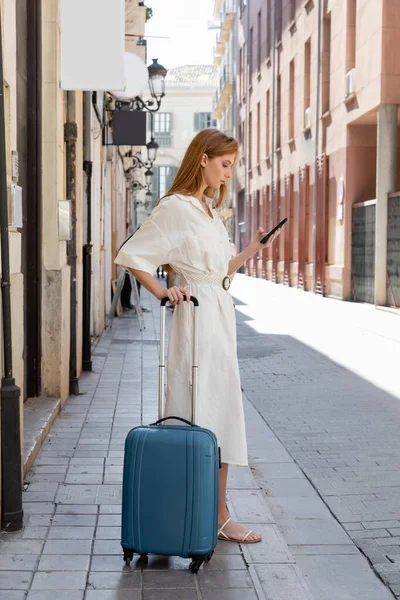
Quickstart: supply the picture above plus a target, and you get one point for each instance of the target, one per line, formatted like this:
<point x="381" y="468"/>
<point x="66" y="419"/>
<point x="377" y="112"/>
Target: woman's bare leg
<point x="233" y="530"/>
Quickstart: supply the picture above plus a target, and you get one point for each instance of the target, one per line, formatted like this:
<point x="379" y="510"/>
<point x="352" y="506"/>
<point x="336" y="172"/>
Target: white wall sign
<point x="92" y="44"/>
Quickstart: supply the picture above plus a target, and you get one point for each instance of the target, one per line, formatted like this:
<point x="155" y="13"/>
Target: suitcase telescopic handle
<point x="161" y="369"/>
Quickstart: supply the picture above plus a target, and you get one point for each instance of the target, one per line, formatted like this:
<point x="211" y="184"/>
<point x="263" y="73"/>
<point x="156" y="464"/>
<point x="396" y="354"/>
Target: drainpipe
<point x="274" y="57"/>
<point x="246" y="129"/>
<point x="87" y="248"/>
<point x="317" y="127"/>
<point x="70" y="137"/>
<point x="11" y="456"/>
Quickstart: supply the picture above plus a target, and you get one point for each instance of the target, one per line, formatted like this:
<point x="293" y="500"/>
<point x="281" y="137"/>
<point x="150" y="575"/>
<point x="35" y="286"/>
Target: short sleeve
<point x="151" y="245"/>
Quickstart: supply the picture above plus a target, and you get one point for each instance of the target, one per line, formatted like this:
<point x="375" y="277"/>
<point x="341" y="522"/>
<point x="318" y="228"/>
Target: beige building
<point x="56" y="138"/>
<point x="317" y="93"/>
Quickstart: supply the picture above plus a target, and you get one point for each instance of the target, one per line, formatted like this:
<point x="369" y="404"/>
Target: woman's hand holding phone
<point x="262" y="239"/>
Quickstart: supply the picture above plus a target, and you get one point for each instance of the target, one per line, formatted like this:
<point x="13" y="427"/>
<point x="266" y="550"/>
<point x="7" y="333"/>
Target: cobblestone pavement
<point x="324" y="376"/>
<point x="322" y="450"/>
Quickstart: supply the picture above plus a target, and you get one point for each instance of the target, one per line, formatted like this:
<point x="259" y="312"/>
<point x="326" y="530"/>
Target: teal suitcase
<point x="170" y="481"/>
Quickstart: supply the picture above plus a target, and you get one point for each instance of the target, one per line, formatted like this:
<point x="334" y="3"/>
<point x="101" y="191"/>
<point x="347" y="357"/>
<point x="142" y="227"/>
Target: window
<point x="268" y="122"/>
<point x="351" y="34"/>
<point x="251" y="41"/>
<point x="259" y="33"/>
<point x="291" y="101"/>
<point x="243" y="69"/>
<point x="240" y="73"/>
<point x="292" y="9"/>
<point x="203" y="120"/>
<point x="278" y="22"/>
<point x="250" y="138"/>
<point x="162" y="128"/>
<point x="258" y="132"/>
<point x="307" y="70"/>
<point x="269" y="28"/>
<point x="278" y="113"/>
<point x="326" y="64"/>
<point x="162" y="180"/>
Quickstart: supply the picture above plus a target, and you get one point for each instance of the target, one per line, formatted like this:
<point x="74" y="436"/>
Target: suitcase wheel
<point x="128" y="555"/>
<point x="195" y="565"/>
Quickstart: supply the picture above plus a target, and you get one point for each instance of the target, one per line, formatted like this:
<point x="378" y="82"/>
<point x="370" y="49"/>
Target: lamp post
<point x="157" y="75"/>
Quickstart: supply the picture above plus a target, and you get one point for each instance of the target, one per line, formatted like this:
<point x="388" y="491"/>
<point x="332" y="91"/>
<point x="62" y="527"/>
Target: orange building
<point x="317" y="89"/>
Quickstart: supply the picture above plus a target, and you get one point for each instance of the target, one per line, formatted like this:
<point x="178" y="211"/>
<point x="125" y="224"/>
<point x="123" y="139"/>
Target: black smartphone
<point x="266" y="237"/>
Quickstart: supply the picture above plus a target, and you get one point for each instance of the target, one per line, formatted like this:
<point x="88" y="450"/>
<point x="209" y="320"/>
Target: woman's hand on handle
<point x="176" y="295"/>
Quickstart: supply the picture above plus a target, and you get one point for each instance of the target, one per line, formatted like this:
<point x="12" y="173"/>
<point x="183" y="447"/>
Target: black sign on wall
<point x="128" y="128"/>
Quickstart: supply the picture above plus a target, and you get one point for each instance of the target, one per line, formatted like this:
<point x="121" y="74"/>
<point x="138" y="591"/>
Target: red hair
<point x="189" y="179"/>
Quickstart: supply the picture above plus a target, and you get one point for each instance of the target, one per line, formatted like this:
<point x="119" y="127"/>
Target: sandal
<point x="222" y="535"/>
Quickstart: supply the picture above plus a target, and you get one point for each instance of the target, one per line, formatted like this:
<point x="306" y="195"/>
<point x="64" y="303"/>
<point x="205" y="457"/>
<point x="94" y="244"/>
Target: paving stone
<point x="67" y="547"/>
<point x="64" y="562"/>
<point x="249" y="506"/>
<point x="117" y="594"/>
<point x="74" y="509"/>
<point x="22" y="547"/>
<point x="299" y="508"/>
<point x="272" y="548"/>
<point x="316" y="550"/>
<point x="61" y="595"/>
<point x="308" y="531"/>
<point x="15" y="580"/>
<point x="229" y="594"/>
<point x="18" y="562"/>
<point x="109" y="521"/>
<point x="59" y="580"/>
<point x="70" y="533"/>
<point x="107" y="547"/>
<point x="349" y="576"/>
<point x="66" y="520"/>
<point x="281" y="582"/>
<point x="77" y="494"/>
<point x="124" y="579"/>
<point x="108" y="533"/>
<point x="107" y="563"/>
<point x="13" y="595"/>
<point x="168" y="579"/>
<point x="223" y="579"/>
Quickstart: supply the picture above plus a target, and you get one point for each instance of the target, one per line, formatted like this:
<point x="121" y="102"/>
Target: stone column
<point x="385" y="183"/>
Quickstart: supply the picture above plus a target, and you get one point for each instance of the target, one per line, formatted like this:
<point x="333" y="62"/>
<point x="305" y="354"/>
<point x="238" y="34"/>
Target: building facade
<point x="317" y="99"/>
<point x="55" y="151"/>
<point x="186" y="109"/>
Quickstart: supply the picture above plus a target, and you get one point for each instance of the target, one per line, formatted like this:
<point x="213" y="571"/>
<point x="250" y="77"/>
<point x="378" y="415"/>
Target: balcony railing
<point x="163" y="139"/>
<point x="224" y="91"/>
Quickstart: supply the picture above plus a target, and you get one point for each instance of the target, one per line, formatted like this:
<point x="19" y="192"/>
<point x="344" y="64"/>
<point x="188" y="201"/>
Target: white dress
<point x="180" y="233"/>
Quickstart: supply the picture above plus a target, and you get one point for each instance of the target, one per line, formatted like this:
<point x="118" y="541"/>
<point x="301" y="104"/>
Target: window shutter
<point x="155" y="183"/>
<point x="196" y="121"/>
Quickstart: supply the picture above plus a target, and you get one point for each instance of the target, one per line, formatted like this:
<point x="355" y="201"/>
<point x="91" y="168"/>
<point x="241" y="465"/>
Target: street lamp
<point x="148" y="175"/>
<point x="157" y="75"/>
<point x="152" y="148"/>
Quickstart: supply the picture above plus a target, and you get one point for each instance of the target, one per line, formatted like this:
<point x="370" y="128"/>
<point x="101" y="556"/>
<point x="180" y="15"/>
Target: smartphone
<point x="266" y="238"/>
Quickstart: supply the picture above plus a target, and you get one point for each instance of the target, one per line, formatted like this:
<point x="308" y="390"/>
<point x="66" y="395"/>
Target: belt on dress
<point x="207" y="280"/>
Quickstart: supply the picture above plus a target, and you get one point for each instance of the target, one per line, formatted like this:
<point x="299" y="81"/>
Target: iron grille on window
<point x="203" y="120"/>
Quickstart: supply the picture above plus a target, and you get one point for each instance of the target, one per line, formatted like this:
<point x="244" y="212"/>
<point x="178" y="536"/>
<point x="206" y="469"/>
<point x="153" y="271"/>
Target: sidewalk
<point x="316" y="435"/>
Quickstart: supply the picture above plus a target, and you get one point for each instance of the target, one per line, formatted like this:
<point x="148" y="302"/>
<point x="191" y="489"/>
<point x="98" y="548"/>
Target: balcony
<point x="164" y="140"/>
<point x="223" y="93"/>
<point x="226" y="19"/>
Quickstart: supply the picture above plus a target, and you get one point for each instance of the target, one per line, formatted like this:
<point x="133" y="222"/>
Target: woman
<point x="184" y="230"/>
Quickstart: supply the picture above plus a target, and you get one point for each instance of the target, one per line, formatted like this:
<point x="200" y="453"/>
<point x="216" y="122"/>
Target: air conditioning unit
<point x="350" y="82"/>
<point x="307" y="118"/>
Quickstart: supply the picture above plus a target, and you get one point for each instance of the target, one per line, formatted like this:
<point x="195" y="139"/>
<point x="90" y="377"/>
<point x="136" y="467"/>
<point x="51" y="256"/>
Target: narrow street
<point x="321" y="392"/>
